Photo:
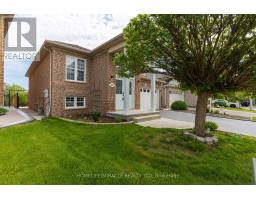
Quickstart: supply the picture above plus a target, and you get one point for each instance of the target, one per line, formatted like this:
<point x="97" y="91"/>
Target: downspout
<point x="50" y="81"/>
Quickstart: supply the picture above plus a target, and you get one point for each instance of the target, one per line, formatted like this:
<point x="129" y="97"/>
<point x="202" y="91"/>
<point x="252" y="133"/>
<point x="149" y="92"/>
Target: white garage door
<point x="145" y="99"/>
<point x="175" y="97"/>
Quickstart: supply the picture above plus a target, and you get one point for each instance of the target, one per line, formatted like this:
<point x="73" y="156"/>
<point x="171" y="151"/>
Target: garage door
<point x="145" y="99"/>
<point x="175" y="97"/>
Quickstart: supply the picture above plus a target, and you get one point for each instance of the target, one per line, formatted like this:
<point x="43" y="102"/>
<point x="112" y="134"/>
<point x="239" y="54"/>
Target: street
<point x="228" y="125"/>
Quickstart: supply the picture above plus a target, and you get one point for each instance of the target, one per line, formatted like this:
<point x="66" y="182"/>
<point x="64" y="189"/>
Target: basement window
<point x="75" y="102"/>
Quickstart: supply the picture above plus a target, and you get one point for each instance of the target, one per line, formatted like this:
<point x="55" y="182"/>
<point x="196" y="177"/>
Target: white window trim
<point x="75" y="78"/>
<point x="75" y="103"/>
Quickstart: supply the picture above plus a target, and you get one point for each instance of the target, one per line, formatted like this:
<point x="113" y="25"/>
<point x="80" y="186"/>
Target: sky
<point x="88" y="31"/>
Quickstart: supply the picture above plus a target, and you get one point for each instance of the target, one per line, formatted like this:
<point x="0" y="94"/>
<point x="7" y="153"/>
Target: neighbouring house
<point x="72" y="80"/>
<point x="173" y="93"/>
<point x="3" y="30"/>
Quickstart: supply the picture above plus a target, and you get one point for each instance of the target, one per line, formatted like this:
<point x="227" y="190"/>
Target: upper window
<point x="75" y="69"/>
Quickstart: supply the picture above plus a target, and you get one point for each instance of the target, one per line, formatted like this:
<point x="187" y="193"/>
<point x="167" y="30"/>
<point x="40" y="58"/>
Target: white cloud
<point x="86" y="30"/>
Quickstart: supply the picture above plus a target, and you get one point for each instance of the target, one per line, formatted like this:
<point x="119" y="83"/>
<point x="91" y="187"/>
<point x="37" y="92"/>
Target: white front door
<point x="145" y="99"/>
<point x="120" y="94"/>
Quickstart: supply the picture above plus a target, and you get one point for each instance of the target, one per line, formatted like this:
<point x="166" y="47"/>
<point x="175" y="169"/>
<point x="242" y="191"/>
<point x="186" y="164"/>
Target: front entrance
<point x="120" y="94"/>
<point x="145" y="99"/>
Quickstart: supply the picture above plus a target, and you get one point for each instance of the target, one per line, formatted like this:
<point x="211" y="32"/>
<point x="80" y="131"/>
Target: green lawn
<point x="241" y="109"/>
<point x="57" y="152"/>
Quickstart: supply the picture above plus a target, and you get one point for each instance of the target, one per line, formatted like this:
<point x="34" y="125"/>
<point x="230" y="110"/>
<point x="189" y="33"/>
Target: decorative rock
<point x="207" y="140"/>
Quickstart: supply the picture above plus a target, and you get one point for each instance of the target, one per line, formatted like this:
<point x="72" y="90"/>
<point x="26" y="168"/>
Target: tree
<point x="207" y="54"/>
<point x="14" y="89"/>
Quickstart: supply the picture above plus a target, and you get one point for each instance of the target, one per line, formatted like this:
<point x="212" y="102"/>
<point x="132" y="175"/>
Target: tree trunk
<point x="201" y="108"/>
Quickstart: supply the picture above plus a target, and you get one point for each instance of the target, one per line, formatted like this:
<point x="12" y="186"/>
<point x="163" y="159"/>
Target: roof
<point x="68" y="45"/>
<point x="73" y="47"/>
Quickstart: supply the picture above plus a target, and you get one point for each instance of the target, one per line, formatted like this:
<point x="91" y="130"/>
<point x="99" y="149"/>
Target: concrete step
<point x="146" y="118"/>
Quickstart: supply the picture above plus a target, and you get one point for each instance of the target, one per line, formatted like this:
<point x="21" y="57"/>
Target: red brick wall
<point x="62" y="88"/>
<point x="38" y="82"/>
<point x="103" y="74"/>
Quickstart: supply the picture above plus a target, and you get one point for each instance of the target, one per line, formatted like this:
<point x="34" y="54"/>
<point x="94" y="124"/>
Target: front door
<point x="120" y="94"/>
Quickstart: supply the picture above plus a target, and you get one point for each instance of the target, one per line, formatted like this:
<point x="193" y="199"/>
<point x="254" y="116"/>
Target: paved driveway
<point x="229" y="125"/>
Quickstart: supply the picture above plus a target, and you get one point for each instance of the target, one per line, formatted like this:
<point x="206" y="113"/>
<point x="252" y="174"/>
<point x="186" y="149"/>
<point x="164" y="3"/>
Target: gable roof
<point x="69" y="46"/>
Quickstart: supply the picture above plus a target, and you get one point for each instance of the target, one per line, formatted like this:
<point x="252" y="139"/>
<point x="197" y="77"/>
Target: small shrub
<point x="253" y="119"/>
<point x="3" y="111"/>
<point x="179" y="105"/>
<point x="118" y="119"/>
<point x="210" y="125"/>
<point x="215" y="112"/>
<point x="96" y="116"/>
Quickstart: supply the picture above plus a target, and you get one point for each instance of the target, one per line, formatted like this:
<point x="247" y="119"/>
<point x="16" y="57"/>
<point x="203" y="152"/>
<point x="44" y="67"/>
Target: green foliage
<point x="253" y="119"/>
<point x="211" y="125"/>
<point x="96" y="116"/>
<point x="179" y="105"/>
<point x="14" y="88"/>
<point x="118" y="119"/>
<point x="3" y="111"/>
<point x="208" y="53"/>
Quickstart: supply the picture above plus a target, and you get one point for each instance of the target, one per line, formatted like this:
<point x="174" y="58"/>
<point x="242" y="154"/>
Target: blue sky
<point x="86" y="30"/>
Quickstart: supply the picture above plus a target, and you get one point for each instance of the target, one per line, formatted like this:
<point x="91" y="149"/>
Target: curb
<point x="219" y="116"/>
<point x="95" y="123"/>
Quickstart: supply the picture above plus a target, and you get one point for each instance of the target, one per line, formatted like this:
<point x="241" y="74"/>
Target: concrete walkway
<point x="12" y="117"/>
<point x="167" y="123"/>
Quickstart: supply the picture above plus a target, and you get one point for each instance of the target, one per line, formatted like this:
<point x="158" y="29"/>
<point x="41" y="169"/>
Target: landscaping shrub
<point x="118" y="119"/>
<point x="179" y="105"/>
<point x="3" y="111"/>
<point x="96" y="116"/>
<point x="253" y="119"/>
<point x="211" y="125"/>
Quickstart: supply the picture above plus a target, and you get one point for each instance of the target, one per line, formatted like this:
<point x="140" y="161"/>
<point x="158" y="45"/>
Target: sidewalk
<point x="167" y="123"/>
<point x="14" y="116"/>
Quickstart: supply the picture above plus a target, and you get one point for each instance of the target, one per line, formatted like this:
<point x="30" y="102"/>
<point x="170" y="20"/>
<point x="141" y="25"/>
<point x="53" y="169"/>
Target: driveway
<point x="228" y="125"/>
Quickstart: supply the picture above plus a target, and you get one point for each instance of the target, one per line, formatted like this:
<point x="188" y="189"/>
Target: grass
<point x="241" y="109"/>
<point x="57" y="152"/>
<point x="3" y="111"/>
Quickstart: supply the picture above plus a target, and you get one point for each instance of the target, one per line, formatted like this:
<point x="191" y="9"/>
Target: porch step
<point x="146" y="118"/>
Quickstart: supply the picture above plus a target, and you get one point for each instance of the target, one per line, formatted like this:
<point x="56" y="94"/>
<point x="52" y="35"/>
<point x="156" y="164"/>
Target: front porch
<point x="139" y="93"/>
<point x="136" y="101"/>
<point x="131" y="114"/>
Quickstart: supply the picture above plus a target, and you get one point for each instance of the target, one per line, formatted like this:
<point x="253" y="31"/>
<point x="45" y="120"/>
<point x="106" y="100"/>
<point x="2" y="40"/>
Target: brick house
<point x="3" y="30"/>
<point x="72" y="80"/>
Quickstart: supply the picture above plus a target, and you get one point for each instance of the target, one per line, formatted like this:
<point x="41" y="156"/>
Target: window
<point x="80" y="70"/>
<point x="70" y="68"/>
<point x="75" y="102"/>
<point x="75" y="69"/>
<point x="119" y="86"/>
<point x="80" y="102"/>
<point x="70" y="102"/>
<point x="130" y="88"/>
